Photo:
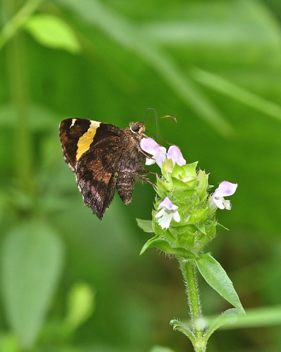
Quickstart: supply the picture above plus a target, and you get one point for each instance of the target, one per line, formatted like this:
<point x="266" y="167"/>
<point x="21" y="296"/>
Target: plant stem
<point x="188" y="269"/>
<point x="19" y="98"/>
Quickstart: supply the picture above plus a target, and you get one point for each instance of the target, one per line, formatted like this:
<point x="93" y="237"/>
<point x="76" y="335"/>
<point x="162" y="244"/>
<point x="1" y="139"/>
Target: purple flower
<point x="167" y="213"/>
<point x="175" y="154"/>
<point x="151" y="147"/>
<point x="225" y="189"/>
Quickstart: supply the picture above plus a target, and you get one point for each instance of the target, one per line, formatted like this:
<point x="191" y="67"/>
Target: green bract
<point x="187" y="189"/>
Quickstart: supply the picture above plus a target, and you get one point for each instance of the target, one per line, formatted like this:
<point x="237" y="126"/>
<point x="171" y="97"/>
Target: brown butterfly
<point x="103" y="157"/>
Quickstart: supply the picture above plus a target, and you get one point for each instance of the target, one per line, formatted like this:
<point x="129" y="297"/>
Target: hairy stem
<point x="188" y="269"/>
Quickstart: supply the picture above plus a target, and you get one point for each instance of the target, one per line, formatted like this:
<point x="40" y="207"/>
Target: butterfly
<point x="103" y="157"/>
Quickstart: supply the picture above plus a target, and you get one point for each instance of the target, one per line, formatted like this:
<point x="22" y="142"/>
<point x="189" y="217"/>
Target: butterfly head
<point x="137" y="127"/>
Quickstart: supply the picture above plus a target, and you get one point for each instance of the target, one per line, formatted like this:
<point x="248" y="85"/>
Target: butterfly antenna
<point x="158" y="137"/>
<point x="162" y="117"/>
<point x="155" y="113"/>
<point x="156" y="118"/>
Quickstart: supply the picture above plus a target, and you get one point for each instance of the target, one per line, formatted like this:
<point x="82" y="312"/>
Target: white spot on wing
<point x="73" y="122"/>
<point x="94" y="124"/>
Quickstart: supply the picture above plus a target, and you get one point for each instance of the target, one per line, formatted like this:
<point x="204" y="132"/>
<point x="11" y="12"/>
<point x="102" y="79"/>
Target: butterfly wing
<point x="78" y="135"/>
<point x="97" y="174"/>
<point x="92" y="151"/>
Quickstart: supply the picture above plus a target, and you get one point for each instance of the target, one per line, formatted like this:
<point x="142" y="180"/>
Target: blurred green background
<point x="70" y="282"/>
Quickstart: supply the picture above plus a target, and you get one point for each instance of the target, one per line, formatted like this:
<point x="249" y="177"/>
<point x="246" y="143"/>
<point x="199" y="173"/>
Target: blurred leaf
<point x="52" y="32"/>
<point x="231" y="319"/>
<point x="216" y="28"/>
<point x="9" y="343"/>
<point x="133" y="38"/>
<point x="81" y="304"/>
<point x="161" y="349"/>
<point x="40" y="117"/>
<point x="4" y="199"/>
<point x="258" y="317"/>
<point x="228" y="315"/>
<point x="217" y="278"/>
<point x="240" y="94"/>
<point x="145" y="225"/>
<point x="51" y="154"/>
<point x="31" y="265"/>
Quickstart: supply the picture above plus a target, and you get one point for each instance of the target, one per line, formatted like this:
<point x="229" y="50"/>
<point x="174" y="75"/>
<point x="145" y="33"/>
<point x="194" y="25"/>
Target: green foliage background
<point x="216" y="66"/>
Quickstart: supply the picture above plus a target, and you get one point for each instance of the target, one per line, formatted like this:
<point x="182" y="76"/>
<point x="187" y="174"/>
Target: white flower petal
<point x="227" y="204"/>
<point x="219" y="202"/>
<point x="160" y="213"/>
<point x="176" y="216"/>
<point x="150" y="161"/>
<point x="165" y="220"/>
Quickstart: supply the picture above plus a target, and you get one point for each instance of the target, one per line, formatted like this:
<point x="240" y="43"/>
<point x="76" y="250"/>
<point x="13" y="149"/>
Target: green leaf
<point x="164" y="246"/>
<point x="156" y="242"/>
<point x="81" y="304"/>
<point x="53" y="32"/>
<point x="184" y="328"/>
<point x="31" y="262"/>
<point x="145" y="225"/>
<point x="217" y="278"/>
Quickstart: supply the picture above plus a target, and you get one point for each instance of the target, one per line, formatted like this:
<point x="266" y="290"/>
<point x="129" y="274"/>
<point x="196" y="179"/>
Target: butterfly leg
<point x="143" y="178"/>
<point x="149" y="172"/>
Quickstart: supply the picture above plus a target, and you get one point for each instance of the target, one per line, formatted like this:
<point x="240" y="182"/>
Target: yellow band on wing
<point x="86" y="140"/>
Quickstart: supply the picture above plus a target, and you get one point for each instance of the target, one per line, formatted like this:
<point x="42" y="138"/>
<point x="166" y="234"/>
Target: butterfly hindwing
<point x="97" y="174"/>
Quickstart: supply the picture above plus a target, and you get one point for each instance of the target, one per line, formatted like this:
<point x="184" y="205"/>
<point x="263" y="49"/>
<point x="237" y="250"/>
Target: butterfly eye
<point x="135" y="127"/>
